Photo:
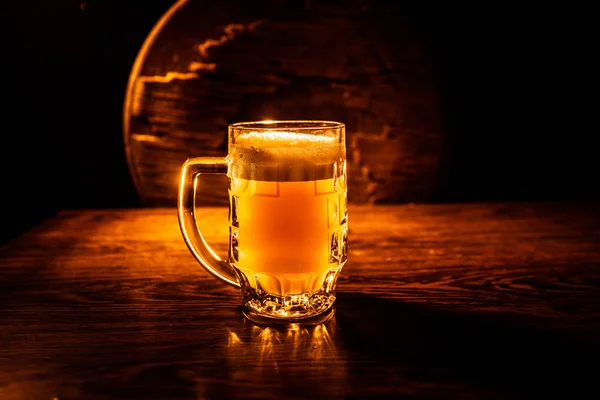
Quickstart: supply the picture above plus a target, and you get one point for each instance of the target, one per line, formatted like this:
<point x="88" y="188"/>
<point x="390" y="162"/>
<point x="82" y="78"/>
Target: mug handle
<point x="191" y="171"/>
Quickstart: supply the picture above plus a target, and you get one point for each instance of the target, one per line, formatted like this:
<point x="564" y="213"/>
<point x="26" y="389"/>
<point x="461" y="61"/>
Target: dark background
<point x="513" y="82"/>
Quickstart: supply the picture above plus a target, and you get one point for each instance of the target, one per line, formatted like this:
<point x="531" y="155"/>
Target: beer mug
<point x="288" y="217"/>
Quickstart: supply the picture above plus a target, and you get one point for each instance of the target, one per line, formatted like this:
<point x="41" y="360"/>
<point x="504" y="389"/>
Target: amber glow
<point x="228" y="34"/>
<point x="135" y="71"/>
<point x="284" y="230"/>
<point x="202" y="66"/>
<point x="170" y="76"/>
<point x="273" y="352"/>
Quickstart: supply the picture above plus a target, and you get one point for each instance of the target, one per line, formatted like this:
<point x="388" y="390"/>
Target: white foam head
<point x="282" y="139"/>
<point x="258" y="153"/>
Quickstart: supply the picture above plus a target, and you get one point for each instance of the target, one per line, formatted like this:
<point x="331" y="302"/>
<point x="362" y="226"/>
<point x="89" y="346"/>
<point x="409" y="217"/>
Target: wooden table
<point x="436" y="301"/>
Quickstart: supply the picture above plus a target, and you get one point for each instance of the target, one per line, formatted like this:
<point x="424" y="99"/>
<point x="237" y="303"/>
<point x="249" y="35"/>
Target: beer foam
<point x="268" y="154"/>
<point x="285" y="147"/>
<point x="282" y="138"/>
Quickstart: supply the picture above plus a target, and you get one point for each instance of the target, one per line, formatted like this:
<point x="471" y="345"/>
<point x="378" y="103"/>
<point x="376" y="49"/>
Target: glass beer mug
<point x="288" y="218"/>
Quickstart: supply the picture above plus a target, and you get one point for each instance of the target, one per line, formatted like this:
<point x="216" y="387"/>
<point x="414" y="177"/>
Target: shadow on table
<point x="504" y="354"/>
<point x="373" y="348"/>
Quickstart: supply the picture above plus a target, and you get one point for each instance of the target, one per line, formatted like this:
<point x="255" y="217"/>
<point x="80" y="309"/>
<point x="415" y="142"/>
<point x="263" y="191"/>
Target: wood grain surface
<point x="360" y="62"/>
<point x="437" y="301"/>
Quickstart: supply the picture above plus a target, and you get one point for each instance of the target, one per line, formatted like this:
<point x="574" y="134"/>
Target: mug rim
<point x="309" y="125"/>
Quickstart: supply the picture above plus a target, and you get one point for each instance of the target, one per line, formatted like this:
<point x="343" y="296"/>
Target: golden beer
<point x="286" y="241"/>
<point x="288" y="213"/>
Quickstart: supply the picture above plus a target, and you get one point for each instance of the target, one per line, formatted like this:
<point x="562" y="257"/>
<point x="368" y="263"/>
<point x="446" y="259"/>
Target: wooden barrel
<point x="208" y="64"/>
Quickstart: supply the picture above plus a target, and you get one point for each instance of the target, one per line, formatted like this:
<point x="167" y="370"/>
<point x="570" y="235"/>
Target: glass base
<point x="262" y="319"/>
<point x="267" y="308"/>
